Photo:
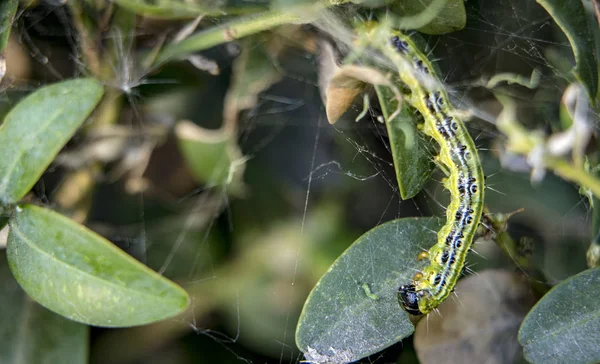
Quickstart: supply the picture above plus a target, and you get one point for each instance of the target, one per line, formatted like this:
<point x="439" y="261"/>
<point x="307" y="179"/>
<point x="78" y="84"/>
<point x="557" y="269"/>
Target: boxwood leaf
<point x="8" y="8"/>
<point x="410" y="152"/>
<point x="563" y="326"/>
<point x="78" y="274"/>
<point x="30" y="333"/>
<point x="353" y="310"/>
<point x="213" y="156"/>
<point x="571" y="18"/>
<point x="37" y="128"/>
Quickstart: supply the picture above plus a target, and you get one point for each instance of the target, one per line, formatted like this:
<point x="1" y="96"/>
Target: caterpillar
<point x="458" y="158"/>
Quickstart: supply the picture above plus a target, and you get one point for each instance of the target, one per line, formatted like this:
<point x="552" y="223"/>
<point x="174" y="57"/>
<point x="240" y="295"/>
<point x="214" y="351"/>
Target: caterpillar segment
<point x="465" y="181"/>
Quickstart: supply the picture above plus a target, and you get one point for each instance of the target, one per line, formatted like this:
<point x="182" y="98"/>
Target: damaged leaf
<point x="350" y="81"/>
<point x="212" y="156"/>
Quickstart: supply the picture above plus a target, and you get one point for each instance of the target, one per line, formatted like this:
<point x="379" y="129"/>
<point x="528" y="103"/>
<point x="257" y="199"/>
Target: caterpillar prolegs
<point x="465" y="181"/>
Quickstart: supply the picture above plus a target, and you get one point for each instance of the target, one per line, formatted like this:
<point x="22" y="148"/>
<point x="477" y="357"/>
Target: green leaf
<point x="571" y="18"/>
<point x="212" y="156"/>
<point x="37" y="128"/>
<point x="29" y="333"/>
<point x="353" y="310"/>
<point x="563" y="326"/>
<point x="410" y="152"/>
<point x="78" y="274"/>
<point x="8" y="8"/>
<point x="166" y="9"/>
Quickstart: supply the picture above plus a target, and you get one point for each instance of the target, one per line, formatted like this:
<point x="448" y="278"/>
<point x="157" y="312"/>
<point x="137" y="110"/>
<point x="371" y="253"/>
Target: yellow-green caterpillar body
<point x="465" y="181"/>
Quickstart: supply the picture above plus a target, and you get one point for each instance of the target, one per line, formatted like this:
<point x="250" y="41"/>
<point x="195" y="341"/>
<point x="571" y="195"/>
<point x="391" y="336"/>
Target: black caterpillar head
<point x="409" y="299"/>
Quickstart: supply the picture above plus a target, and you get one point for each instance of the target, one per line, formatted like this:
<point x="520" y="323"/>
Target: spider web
<point x="249" y="262"/>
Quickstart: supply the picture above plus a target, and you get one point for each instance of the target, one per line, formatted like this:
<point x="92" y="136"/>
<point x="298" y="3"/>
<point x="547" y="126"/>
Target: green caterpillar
<point x="465" y="181"/>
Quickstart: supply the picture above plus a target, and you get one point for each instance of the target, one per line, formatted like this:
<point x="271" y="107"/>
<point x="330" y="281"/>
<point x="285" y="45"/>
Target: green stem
<point x="518" y="252"/>
<point x="186" y="9"/>
<point x="88" y="41"/>
<point x="573" y="174"/>
<point x="76" y="191"/>
<point x="536" y="278"/>
<point x="227" y="32"/>
<point x="424" y="17"/>
<point x="522" y="141"/>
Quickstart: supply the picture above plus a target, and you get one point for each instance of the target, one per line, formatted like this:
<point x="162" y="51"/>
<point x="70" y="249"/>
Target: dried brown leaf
<point x="349" y="82"/>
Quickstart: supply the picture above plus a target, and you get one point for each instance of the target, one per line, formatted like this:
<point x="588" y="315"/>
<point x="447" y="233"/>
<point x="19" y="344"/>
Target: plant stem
<point x="75" y="193"/>
<point x="519" y="252"/>
<point x="187" y="9"/>
<point x="227" y="32"/>
<point x="524" y="263"/>
<point x="87" y="43"/>
<point x="573" y="174"/>
<point x="523" y="141"/>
